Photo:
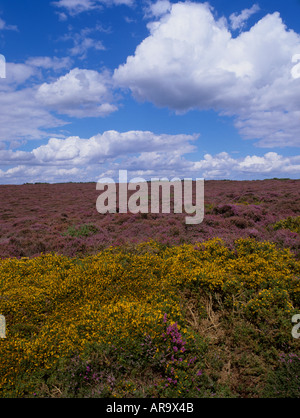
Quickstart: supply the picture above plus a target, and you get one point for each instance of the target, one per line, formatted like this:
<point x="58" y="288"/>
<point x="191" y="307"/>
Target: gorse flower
<point x="55" y="306"/>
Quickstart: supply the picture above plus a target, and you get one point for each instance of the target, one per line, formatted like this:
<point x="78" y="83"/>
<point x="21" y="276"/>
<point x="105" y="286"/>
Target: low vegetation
<point x="152" y="320"/>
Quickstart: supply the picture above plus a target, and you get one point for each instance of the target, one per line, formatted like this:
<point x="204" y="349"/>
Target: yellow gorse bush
<point x="55" y="305"/>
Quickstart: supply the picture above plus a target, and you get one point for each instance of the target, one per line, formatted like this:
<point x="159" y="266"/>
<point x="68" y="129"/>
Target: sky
<point x="165" y="89"/>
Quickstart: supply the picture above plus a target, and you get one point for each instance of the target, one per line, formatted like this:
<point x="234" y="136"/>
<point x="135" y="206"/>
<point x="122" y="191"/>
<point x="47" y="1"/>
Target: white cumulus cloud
<point x="79" y="93"/>
<point x="271" y="164"/>
<point x="110" y="145"/>
<point x="190" y="60"/>
<point x="158" y="8"/>
<point x="142" y="153"/>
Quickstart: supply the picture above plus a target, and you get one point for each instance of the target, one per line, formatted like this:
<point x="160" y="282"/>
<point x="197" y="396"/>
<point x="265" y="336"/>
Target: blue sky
<point x="160" y="88"/>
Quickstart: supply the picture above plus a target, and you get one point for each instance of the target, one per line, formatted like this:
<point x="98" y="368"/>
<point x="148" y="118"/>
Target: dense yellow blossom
<point x="55" y="305"/>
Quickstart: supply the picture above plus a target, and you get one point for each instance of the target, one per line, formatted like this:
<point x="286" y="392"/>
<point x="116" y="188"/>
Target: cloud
<point x="89" y="159"/>
<point x="110" y="145"/>
<point x="79" y="93"/>
<point x="158" y="8"/>
<point x="81" y="47"/>
<point x="17" y="74"/>
<point x="27" y="106"/>
<point x="191" y="61"/>
<point x="5" y="26"/>
<point x="142" y="153"/>
<point x="75" y="7"/>
<point x="24" y="174"/>
<point x="22" y="116"/>
<point x="238" y="20"/>
<point x="53" y="63"/>
<point x="83" y="42"/>
<point x="271" y="164"/>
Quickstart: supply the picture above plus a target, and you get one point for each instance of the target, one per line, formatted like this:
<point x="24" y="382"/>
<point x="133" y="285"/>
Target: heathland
<point x="144" y="305"/>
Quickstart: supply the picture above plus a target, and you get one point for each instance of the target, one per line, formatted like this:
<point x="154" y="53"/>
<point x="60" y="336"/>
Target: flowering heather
<point x="40" y="218"/>
<point x="143" y="305"/>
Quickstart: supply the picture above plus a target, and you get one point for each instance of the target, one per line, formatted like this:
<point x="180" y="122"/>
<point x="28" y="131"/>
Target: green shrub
<point x="284" y="381"/>
<point x="81" y="231"/>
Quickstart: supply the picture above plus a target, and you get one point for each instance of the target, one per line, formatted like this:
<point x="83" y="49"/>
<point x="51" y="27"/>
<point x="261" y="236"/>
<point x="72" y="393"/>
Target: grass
<point x="81" y="231"/>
